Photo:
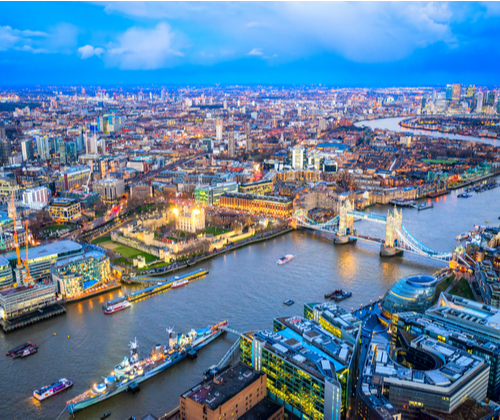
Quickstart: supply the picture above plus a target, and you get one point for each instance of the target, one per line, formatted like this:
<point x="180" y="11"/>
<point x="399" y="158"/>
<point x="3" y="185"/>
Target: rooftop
<point x="50" y="250"/>
<point x="224" y="386"/>
<point x="263" y="410"/>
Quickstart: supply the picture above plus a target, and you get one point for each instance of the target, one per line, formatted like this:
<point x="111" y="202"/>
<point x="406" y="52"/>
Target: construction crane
<point x="16" y="241"/>
<point x="27" y="279"/>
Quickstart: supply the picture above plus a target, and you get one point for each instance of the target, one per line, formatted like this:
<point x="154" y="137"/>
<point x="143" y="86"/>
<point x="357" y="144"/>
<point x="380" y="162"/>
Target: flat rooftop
<point x="263" y="410"/>
<point x="223" y="387"/>
<point x="49" y="250"/>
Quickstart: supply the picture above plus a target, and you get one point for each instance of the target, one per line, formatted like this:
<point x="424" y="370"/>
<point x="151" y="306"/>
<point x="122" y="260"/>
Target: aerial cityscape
<point x="250" y="210"/>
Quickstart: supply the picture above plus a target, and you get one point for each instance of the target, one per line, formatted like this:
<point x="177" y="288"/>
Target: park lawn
<point x="121" y="260"/>
<point x="101" y="240"/>
<point x="215" y="231"/>
<point x="151" y="267"/>
<point x="462" y="289"/>
<point x="442" y="286"/>
<point x="128" y="252"/>
<point x="57" y="227"/>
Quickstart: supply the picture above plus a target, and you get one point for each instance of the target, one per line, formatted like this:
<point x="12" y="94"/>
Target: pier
<point x="32" y="318"/>
<point x="160" y="285"/>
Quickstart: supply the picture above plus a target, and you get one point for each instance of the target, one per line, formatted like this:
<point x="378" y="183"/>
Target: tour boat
<point x="120" y="306"/>
<point x="50" y="390"/>
<point x="285" y="259"/>
<point x="179" y="283"/>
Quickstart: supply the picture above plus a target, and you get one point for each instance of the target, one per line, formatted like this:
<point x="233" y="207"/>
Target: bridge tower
<point x="345" y="224"/>
<point x="392" y="229"/>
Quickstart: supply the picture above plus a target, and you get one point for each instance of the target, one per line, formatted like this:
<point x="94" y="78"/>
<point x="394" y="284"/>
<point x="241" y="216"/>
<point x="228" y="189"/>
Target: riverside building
<point x="77" y="274"/>
<point x="422" y="374"/>
<point x="257" y="204"/>
<point x="307" y="367"/>
<point x="42" y="257"/>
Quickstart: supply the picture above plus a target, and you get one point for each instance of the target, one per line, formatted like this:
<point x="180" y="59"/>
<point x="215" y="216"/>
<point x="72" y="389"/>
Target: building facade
<point x="111" y="190"/>
<point x="65" y="209"/>
<point x="257" y="204"/>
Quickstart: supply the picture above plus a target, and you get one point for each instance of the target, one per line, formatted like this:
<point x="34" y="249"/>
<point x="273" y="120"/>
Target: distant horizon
<point x="344" y="44"/>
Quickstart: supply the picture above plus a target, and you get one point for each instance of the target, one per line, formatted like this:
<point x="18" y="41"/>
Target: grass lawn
<point x="128" y="252"/>
<point x="462" y="289"/>
<point x="57" y="227"/>
<point x="101" y="239"/>
<point x="215" y="231"/>
<point x="121" y="260"/>
<point x="442" y="286"/>
<point x="151" y="267"/>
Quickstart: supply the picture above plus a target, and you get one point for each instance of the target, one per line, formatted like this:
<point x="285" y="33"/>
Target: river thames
<point x="393" y="125"/>
<point x="246" y="287"/>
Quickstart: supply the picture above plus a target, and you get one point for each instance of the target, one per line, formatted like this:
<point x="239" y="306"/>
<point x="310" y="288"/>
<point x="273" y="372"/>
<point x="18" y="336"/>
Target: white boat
<point x="284" y="259"/>
<point x="179" y="283"/>
<point x="111" y="309"/>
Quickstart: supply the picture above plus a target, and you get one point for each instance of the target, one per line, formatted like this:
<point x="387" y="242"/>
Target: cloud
<point x="88" y="51"/>
<point x="143" y="49"/>
<point x="59" y="39"/>
<point x="256" y="51"/>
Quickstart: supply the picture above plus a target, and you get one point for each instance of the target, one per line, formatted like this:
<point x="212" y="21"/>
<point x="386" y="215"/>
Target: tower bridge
<point x="397" y="238"/>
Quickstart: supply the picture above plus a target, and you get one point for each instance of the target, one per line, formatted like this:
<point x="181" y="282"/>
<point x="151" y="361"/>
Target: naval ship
<point x="133" y="370"/>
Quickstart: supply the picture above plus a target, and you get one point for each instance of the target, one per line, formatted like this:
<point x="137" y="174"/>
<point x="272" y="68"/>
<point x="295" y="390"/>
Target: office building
<point x="111" y="123"/>
<point x="298" y="157"/>
<point x="471" y="91"/>
<point x="141" y="191"/>
<point x="65" y="209"/>
<point x="257" y="204"/>
<point x="36" y="198"/>
<point x="413" y="293"/>
<point x="218" y="130"/>
<point x="233" y="393"/>
<point x="191" y="221"/>
<point x="231" y="144"/>
<point x="21" y="300"/>
<point x="467" y="316"/>
<point x="27" y="149"/>
<point x="457" y="92"/>
<point x="74" y="178"/>
<point x="449" y="92"/>
<point x="479" y="102"/>
<point x="307" y="367"/>
<point x="422" y="373"/>
<point x="335" y="319"/>
<point x="6" y="278"/>
<point x="417" y="324"/>
<point x="43" y="256"/>
<point x="111" y="190"/>
<point x="43" y="148"/>
<point x="4" y="152"/>
<point x="210" y="196"/>
<point x="262" y="187"/>
<point x="77" y="274"/>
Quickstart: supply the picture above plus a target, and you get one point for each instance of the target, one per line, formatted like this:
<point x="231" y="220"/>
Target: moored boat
<point x="50" y="390"/>
<point x="179" y="283"/>
<point x="135" y="370"/>
<point x="19" y="349"/>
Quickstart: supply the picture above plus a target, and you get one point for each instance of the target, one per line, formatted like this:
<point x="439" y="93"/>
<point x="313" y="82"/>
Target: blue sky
<point x="343" y="44"/>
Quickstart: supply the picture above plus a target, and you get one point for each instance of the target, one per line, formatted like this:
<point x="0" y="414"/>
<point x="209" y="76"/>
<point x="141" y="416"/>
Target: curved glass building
<point x="414" y="293"/>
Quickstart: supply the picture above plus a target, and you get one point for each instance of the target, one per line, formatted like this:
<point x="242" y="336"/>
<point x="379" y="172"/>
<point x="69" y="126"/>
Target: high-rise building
<point x="246" y="128"/>
<point x="322" y="124"/>
<point x="218" y="130"/>
<point x="298" y="154"/>
<point x="457" y="92"/>
<point x="43" y="148"/>
<point x="4" y="152"/>
<point x="471" y="90"/>
<point x="231" y="144"/>
<point x="479" y="102"/>
<point x="449" y="92"/>
<point x="249" y="145"/>
<point x="27" y="149"/>
<point x="307" y="367"/>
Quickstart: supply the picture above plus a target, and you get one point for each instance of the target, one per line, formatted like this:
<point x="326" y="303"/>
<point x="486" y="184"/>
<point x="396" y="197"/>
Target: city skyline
<point x="340" y="44"/>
